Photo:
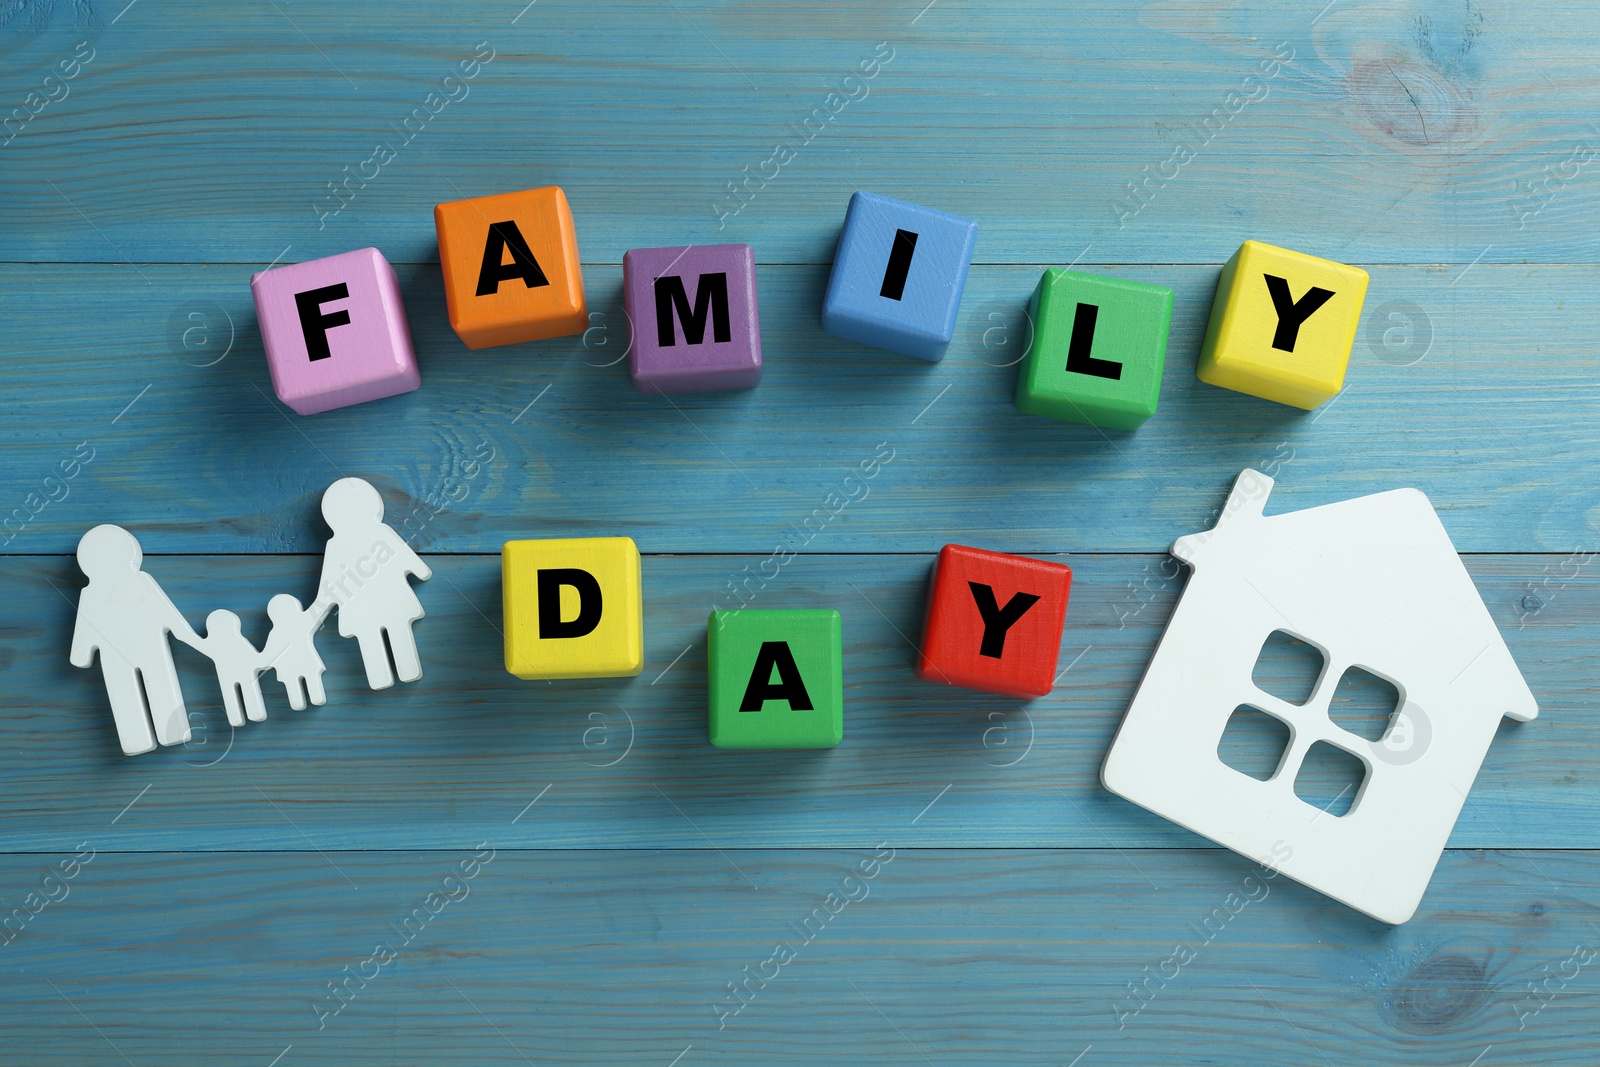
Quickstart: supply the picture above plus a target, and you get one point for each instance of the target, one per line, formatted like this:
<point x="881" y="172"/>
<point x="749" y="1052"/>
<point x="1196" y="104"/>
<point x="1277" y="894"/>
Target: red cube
<point x="994" y="622"/>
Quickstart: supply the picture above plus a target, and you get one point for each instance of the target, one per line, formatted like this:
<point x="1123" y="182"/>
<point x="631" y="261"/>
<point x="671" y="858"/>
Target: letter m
<point x="711" y="297"/>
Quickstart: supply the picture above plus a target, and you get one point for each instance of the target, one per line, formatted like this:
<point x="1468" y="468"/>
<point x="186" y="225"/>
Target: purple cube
<point x="695" y="324"/>
<point x="335" y="331"/>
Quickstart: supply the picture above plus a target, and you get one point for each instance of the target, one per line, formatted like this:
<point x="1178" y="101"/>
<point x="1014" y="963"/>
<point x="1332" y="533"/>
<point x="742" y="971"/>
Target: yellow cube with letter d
<point x="574" y="608"/>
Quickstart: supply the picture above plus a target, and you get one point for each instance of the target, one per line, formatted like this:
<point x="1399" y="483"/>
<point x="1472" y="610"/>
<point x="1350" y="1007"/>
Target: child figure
<point x="291" y="649"/>
<point x="238" y="665"/>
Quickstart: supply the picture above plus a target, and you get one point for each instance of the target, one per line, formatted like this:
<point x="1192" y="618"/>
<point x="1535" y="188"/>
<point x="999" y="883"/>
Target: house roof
<point x="1374" y="579"/>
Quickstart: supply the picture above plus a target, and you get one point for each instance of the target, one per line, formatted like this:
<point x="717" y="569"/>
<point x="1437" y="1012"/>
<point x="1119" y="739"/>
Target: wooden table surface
<point x="521" y="872"/>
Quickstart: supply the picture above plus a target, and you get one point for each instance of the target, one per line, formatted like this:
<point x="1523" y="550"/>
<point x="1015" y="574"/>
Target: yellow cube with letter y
<point x="1282" y="325"/>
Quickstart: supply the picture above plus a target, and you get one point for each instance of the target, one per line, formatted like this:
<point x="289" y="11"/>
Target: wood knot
<point x="1439" y="993"/>
<point x="1411" y="102"/>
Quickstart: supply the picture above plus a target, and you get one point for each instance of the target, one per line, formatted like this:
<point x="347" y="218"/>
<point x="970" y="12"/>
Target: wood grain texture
<point x="965" y="957"/>
<point x="1489" y="423"/>
<point x="1446" y="146"/>
<point x="1393" y="135"/>
<point x="437" y="763"/>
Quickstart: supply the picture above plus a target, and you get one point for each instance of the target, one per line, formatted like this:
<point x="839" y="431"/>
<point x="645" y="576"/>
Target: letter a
<point x="789" y="686"/>
<point x="504" y="235"/>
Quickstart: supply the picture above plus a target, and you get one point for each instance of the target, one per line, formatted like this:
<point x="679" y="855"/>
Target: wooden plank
<point x="639" y="871"/>
<point x="199" y="458"/>
<point x="1389" y="137"/>
<point x="625" y="762"/>
<point x="985" y="956"/>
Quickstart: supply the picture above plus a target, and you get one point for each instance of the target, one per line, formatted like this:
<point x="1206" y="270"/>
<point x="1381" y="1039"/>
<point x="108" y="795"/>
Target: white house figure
<point x="1372" y="583"/>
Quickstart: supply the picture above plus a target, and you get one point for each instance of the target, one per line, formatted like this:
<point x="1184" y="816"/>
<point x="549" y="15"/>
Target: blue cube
<point x="898" y="276"/>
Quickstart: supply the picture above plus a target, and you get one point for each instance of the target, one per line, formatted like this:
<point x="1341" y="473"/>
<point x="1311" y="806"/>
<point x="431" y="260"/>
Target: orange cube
<point x="511" y="270"/>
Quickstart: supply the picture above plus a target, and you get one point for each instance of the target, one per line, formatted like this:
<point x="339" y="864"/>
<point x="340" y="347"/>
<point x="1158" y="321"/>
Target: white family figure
<point x="126" y="618"/>
<point x="238" y="666"/>
<point x="365" y="571"/>
<point x="291" y="651"/>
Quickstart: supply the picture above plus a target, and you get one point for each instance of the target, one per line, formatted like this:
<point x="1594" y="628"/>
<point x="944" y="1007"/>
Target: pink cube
<point x="335" y="331"/>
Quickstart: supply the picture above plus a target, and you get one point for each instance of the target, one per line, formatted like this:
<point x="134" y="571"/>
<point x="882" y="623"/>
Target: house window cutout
<point x="1254" y="742"/>
<point x="1288" y="668"/>
<point x="1364" y="704"/>
<point x="1330" y="778"/>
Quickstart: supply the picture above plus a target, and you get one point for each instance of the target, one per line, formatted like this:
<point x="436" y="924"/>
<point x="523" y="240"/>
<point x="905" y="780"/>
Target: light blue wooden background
<point x="1445" y="146"/>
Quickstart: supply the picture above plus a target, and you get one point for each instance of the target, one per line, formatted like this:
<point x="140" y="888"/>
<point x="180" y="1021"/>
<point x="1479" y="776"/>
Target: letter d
<point x="590" y="602"/>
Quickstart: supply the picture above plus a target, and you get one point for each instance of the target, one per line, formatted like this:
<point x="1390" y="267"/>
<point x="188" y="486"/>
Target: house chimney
<point x="1247" y="498"/>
